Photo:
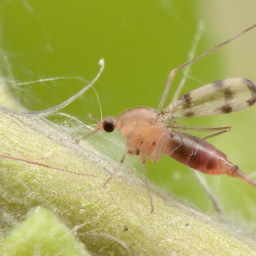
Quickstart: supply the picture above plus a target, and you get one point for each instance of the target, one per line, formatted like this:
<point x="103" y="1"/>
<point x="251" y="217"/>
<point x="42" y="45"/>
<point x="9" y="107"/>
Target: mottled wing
<point x="220" y="97"/>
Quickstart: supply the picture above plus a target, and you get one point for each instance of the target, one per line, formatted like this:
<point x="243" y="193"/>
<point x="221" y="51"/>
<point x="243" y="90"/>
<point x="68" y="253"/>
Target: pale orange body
<point x="147" y="135"/>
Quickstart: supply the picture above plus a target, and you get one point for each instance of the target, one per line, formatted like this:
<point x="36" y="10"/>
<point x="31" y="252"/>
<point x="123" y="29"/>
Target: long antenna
<point x="173" y="72"/>
<point x="54" y="109"/>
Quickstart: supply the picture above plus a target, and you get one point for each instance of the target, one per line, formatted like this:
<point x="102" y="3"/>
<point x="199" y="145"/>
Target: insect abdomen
<point x="198" y="154"/>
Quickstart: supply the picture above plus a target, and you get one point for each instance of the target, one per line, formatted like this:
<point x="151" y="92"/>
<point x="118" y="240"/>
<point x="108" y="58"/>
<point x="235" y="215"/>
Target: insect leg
<point x="87" y="135"/>
<point x="166" y="89"/>
<point x="45" y="165"/>
<point x="174" y="71"/>
<point x="215" y="134"/>
<point x="146" y="181"/>
<point x="91" y="133"/>
<point x="208" y="192"/>
<point x="219" y="130"/>
<point x="118" y="166"/>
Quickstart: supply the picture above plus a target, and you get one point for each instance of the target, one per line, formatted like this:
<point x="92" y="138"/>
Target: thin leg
<point x="214" y="134"/>
<point x="208" y="192"/>
<point x="149" y="194"/>
<point x="191" y="55"/>
<point x="117" y="168"/>
<point x="87" y="135"/>
<point x="166" y="90"/>
<point x="91" y="133"/>
<point x="220" y="130"/>
<point x="47" y="166"/>
<point x="173" y="72"/>
<point x="177" y="127"/>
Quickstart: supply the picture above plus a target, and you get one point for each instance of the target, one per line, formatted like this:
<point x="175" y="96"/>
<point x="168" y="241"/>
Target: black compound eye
<point x="108" y="125"/>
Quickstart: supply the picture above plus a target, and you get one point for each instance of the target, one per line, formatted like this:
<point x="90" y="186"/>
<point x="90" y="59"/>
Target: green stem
<point x="114" y="220"/>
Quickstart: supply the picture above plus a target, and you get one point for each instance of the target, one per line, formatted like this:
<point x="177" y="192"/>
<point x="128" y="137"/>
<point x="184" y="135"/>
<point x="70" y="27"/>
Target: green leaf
<point x="41" y="234"/>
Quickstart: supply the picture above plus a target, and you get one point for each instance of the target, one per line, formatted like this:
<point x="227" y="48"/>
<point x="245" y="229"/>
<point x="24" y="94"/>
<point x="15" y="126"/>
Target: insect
<point x="152" y="133"/>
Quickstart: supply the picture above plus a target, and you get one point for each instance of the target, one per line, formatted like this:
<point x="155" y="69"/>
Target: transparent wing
<point x="220" y="97"/>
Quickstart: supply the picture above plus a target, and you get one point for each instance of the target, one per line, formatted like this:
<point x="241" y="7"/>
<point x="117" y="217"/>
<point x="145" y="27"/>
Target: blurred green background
<point x="141" y="41"/>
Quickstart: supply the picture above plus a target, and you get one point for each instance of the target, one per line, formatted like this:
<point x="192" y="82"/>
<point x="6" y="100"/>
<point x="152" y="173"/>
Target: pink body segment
<point x="198" y="154"/>
<point x="147" y="135"/>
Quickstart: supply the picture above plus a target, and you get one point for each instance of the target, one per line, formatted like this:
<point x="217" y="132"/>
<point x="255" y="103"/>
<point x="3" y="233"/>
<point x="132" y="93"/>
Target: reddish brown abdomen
<point x="198" y="154"/>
